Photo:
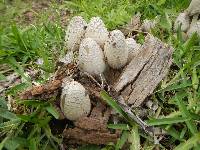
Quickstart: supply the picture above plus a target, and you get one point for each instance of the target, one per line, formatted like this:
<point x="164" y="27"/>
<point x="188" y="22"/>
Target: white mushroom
<point x="194" y="10"/>
<point x="133" y="48"/>
<point x="75" y="101"/>
<point x="195" y="27"/>
<point x="96" y="30"/>
<point x="148" y="25"/>
<point x="182" y="20"/>
<point x="194" y="7"/>
<point x="75" y="33"/>
<point x="115" y="50"/>
<point x="91" y="57"/>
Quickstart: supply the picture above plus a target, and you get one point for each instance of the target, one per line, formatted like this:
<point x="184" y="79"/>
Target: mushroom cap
<point x="194" y="7"/>
<point x="75" y="33"/>
<point x="75" y="101"/>
<point x="115" y="50"/>
<point x="194" y="28"/>
<point x="91" y="57"/>
<point x="148" y="25"/>
<point x="183" y="20"/>
<point x="96" y="30"/>
<point x="133" y="48"/>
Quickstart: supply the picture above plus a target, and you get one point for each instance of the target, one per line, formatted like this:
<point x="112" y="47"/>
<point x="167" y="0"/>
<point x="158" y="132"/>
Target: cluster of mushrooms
<point x="97" y="48"/>
<point x="189" y="21"/>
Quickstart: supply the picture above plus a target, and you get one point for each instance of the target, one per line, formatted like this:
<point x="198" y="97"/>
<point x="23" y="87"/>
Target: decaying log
<point x="142" y="75"/>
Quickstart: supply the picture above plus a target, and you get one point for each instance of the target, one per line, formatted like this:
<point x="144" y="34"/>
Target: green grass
<point x="22" y="43"/>
<point x="117" y="12"/>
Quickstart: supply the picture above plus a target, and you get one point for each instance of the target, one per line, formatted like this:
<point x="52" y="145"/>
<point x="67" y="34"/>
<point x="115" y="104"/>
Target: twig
<point x="148" y="129"/>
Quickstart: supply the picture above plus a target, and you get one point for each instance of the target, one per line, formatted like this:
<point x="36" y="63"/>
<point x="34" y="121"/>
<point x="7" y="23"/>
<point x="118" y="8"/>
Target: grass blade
<point x="3" y="103"/>
<point x="33" y="144"/>
<point x="176" y="86"/>
<point x="173" y="132"/>
<point x="3" y="142"/>
<point x="52" y="111"/>
<point x="104" y="95"/>
<point x="34" y="103"/>
<point x="6" y="114"/>
<point x="134" y="138"/>
<point x="122" y="140"/>
<point x="119" y="126"/>
<point x="195" y="79"/>
<point x="185" y="113"/>
<point x="156" y="122"/>
<point x="17" y="88"/>
<point x="190" y="143"/>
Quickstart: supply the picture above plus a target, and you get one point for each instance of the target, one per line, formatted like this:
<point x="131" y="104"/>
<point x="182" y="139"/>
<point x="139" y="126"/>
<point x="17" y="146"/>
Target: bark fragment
<point x="79" y="136"/>
<point x="51" y="88"/>
<point x="145" y="71"/>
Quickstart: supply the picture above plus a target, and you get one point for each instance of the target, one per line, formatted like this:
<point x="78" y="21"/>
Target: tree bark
<point x="142" y="75"/>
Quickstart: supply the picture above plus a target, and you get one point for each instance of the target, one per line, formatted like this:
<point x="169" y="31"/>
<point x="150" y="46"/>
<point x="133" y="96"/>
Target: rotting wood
<point x="97" y="119"/>
<point x="92" y="129"/>
<point x="80" y="136"/>
<point x="42" y="91"/>
<point x="145" y="71"/>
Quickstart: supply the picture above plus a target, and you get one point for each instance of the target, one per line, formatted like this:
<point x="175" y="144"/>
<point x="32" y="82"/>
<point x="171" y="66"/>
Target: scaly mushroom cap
<point x="148" y="25"/>
<point x="133" y="48"/>
<point x="194" y="28"/>
<point x="115" y="50"/>
<point x="194" y="7"/>
<point x="75" y="33"/>
<point x="75" y="101"/>
<point x="96" y="30"/>
<point x="182" y="20"/>
<point x="91" y="57"/>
